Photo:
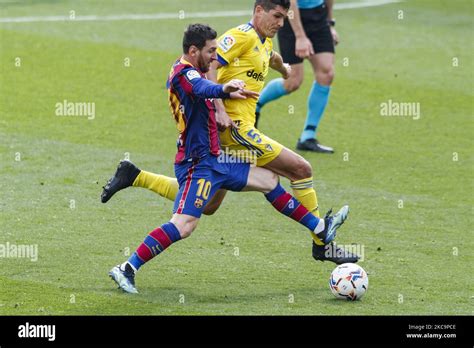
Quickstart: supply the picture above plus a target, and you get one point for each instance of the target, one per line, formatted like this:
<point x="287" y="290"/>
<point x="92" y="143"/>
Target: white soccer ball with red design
<point x="349" y="281"/>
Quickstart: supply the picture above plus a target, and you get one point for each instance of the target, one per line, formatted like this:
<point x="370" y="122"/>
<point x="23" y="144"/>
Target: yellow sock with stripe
<point x="304" y="192"/>
<point x="163" y="185"/>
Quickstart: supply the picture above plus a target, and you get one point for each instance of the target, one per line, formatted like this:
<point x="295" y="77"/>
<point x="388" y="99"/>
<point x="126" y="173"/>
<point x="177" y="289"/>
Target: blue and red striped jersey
<point x="191" y="100"/>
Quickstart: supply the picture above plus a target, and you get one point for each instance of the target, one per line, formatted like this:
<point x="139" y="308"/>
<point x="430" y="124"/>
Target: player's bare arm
<point x="276" y="63"/>
<point x="236" y="89"/>
<point x="303" y="46"/>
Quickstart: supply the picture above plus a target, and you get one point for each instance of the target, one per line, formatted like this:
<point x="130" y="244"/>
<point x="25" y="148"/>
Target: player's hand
<point x="335" y="37"/>
<point x="303" y="47"/>
<point x="233" y="86"/>
<point x="286" y="71"/>
<point x="237" y="90"/>
<point x="244" y="94"/>
<point x="224" y="121"/>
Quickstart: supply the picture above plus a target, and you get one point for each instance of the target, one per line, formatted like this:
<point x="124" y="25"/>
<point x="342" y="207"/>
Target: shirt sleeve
<point x="232" y="45"/>
<point x="194" y="84"/>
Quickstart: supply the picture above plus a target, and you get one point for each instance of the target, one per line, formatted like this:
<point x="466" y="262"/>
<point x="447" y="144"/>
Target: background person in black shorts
<point x="308" y="33"/>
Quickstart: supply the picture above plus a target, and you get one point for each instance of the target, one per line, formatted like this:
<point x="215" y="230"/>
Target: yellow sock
<point x="163" y="185"/>
<point x="304" y="192"/>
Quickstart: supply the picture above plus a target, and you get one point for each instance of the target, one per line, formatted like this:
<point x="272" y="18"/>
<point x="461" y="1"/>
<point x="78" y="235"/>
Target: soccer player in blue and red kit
<point x="200" y="167"/>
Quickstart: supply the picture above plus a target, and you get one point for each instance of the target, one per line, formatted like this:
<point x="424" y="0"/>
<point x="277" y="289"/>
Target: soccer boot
<point x="124" y="177"/>
<point x="332" y="223"/>
<point x="332" y="252"/>
<point x="125" y="278"/>
<point x="313" y="145"/>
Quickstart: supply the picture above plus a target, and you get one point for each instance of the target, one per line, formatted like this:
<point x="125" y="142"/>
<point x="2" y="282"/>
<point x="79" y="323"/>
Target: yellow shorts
<point x="249" y="143"/>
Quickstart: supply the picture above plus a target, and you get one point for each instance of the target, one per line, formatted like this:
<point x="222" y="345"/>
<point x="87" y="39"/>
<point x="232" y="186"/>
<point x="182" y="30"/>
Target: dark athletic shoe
<point x="124" y="177"/>
<point x="332" y="223"/>
<point x="313" y="145"/>
<point x="331" y="252"/>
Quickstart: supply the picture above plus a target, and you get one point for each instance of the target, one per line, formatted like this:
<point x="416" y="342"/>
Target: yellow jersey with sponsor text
<point x="244" y="56"/>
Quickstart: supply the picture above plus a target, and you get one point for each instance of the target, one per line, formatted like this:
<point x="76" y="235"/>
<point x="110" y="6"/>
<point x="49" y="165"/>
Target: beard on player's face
<point x="207" y="55"/>
<point x="203" y="64"/>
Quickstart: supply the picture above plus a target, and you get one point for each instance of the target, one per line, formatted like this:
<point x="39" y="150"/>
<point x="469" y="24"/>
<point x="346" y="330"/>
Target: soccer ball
<point x="349" y="281"/>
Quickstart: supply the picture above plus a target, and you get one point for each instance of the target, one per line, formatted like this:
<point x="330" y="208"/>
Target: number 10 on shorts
<point x="204" y="189"/>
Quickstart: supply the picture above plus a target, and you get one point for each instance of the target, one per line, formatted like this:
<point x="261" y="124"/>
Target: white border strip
<point x="184" y="15"/>
<point x="368" y="3"/>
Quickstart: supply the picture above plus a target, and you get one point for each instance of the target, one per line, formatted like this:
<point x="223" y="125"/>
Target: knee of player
<point x="330" y="75"/>
<point x="326" y="76"/>
<point x="303" y="170"/>
<point x="293" y="84"/>
<point x="272" y="181"/>
<point x="186" y="230"/>
<point x="185" y="226"/>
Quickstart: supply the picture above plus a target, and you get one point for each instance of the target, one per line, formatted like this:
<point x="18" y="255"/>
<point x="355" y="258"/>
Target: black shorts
<point x="317" y="30"/>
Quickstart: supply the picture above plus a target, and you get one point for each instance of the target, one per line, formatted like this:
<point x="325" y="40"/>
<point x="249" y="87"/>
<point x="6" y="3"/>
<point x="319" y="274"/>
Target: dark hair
<point x="271" y="4"/>
<point x="197" y="35"/>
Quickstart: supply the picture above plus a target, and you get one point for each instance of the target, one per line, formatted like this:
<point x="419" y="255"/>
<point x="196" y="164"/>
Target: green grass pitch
<point x="407" y="179"/>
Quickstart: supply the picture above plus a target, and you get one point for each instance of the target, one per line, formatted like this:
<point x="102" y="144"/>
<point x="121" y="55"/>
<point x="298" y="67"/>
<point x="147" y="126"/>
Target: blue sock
<point x="317" y="101"/>
<point x="154" y="244"/>
<point x="273" y="90"/>
<point x="287" y="205"/>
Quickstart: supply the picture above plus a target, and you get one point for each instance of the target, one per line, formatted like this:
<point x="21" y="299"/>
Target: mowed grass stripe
<point x="421" y="251"/>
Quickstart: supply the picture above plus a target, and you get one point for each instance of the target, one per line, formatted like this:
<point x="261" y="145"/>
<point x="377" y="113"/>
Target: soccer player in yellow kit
<point x="245" y="53"/>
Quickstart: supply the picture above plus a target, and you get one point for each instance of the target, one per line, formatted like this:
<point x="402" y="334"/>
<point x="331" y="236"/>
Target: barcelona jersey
<point x="200" y="167"/>
<point x="190" y="97"/>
